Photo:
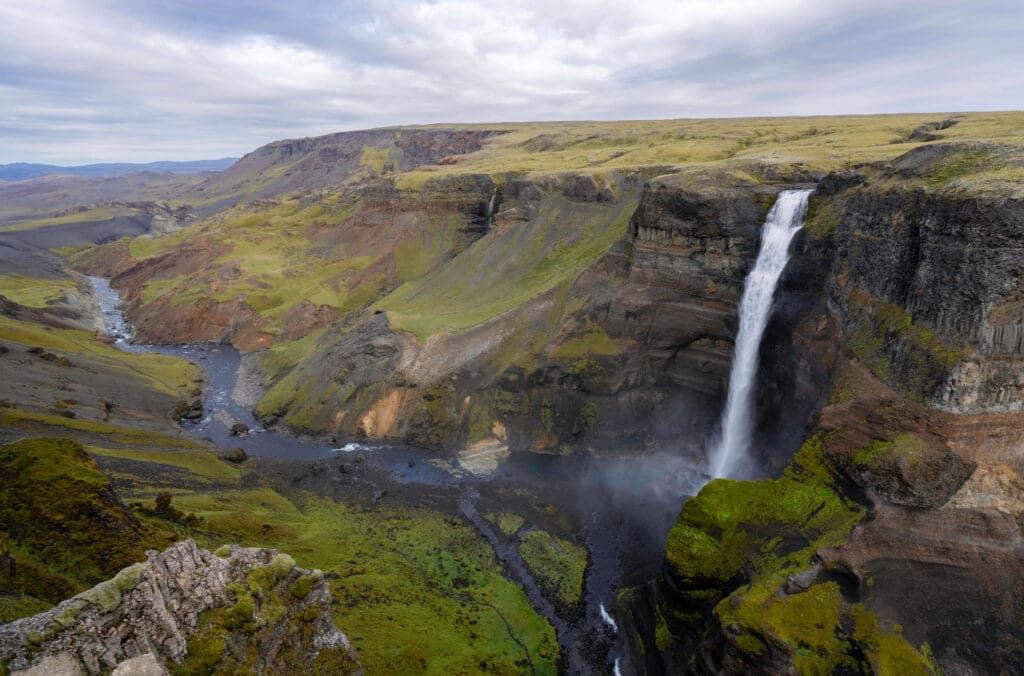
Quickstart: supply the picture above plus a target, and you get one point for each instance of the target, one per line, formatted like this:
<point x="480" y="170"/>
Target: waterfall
<point x="731" y="455"/>
<point x="490" y="206"/>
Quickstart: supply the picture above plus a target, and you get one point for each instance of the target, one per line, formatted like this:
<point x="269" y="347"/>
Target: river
<point x="622" y="507"/>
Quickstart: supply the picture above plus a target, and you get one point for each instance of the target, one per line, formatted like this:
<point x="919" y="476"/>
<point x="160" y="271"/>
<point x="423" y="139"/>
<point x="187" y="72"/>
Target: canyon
<point x="545" y="314"/>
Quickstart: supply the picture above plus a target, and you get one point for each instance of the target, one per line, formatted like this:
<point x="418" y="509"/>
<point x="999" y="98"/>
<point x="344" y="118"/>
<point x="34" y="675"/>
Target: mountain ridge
<point x="20" y="171"/>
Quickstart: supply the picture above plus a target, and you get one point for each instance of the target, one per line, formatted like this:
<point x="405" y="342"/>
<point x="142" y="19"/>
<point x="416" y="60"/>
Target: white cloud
<point x="88" y="80"/>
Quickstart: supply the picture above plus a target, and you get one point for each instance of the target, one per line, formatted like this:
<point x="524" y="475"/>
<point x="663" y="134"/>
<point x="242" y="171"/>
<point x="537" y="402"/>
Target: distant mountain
<point x="22" y="170"/>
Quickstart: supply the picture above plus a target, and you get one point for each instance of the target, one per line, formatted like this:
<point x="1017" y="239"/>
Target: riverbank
<point x="610" y="507"/>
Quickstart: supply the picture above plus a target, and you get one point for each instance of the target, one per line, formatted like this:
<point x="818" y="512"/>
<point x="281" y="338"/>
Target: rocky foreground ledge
<point x="187" y="610"/>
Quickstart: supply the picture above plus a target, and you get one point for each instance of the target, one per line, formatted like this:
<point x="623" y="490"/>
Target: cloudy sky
<point x="140" y="80"/>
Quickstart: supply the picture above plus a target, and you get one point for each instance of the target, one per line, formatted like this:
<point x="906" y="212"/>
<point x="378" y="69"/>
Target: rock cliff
<point x="893" y="540"/>
<point x="929" y="284"/>
<point x="186" y="610"/>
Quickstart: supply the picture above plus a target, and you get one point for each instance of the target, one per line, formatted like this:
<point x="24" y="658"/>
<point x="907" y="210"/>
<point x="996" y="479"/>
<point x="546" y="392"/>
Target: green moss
<point x="207" y="646"/>
<point x="21" y="605"/>
<point x="822" y="217"/>
<point x="558" y="565"/>
<point x="888" y="651"/>
<point x="108" y="594"/>
<point x="736" y="543"/>
<point x="592" y="341"/>
<point x="374" y="158"/>
<point x="433" y="418"/>
<point x="663" y="638"/>
<point x="63" y="525"/>
<point x="732" y="524"/>
<point x="748" y="644"/>
<point x="301" y="587"/>
<point x="905" y="448"/>
<point x="507" y="522"/>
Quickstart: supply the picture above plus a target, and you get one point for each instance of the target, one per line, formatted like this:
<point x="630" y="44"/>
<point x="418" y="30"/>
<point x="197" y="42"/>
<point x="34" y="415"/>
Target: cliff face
<point x="626" y="349"/>
<point x="189" y="611"/>
<point x="893" y="541"/>
<point x="930" y="288"/>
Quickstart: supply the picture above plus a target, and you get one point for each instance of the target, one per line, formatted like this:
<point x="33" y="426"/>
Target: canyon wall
<point x="892" y="542"/>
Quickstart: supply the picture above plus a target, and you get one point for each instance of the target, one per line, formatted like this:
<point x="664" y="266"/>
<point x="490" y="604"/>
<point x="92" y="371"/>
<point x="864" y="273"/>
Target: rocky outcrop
<point x="240" y="609"/>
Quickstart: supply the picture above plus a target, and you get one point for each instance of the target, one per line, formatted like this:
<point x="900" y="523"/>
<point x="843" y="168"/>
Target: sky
<point x="138" y="80"/>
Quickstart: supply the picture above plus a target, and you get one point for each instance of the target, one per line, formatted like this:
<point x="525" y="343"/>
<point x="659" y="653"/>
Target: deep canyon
<point x="466" y="379"/>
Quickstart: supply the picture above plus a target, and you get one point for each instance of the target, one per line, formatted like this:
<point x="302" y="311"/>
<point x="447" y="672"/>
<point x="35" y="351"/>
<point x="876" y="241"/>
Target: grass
<point x="170" y="375"/>
<point x="415" y="591"/>
<point x="825" y="142"/>
<point x="310" y="251"/>
<point x="199" y="462"/>
<point x="87" y="216"/>
<point x="37" y="293"/>
<point x="61" y="522"/>
<point x="507" y="522"/>
<point x="34" y="422"/>
<point x="505" y="269"/>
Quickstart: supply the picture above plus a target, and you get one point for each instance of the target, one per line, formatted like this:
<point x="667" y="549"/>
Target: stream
<point x="623" y="507"/>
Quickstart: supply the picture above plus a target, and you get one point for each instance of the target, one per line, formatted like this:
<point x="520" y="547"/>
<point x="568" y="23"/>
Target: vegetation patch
<point x="172" y="376"/>
<point x="415" y="591"/>
<point x="507" y="522"/>
<point x="737" y="544"/>
<point x="579" y="350"/>
<point x="503" y="270"/>
<point x="558" y="565"/>
<point x="63" y="527"/>
<point x="38" y="293"/>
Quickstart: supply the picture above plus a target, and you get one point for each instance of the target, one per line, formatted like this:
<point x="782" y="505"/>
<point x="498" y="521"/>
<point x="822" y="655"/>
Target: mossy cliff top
<point x="742" y="574"/>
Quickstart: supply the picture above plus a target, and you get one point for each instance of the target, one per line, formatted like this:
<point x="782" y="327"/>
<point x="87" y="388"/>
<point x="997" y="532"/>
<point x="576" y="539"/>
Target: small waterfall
<point x="731" y="456"/>
<point x="609" y="620"/>
<point x="490" y="207"/>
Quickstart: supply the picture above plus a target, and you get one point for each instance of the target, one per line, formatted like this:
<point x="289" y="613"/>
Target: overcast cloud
<point x="99" y="80"/>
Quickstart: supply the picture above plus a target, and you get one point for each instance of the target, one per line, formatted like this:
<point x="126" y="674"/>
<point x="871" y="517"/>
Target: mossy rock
<point x="740" y="560"/>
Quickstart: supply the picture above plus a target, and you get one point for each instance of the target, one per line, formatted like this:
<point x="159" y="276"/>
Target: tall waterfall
<point x="731" y="455"/>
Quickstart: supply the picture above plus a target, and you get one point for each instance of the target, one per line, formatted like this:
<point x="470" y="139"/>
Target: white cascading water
<point x="730" y="457"/>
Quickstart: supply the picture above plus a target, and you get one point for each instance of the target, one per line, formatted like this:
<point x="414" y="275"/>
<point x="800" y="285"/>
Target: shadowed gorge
<point x="446" y="399"/>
